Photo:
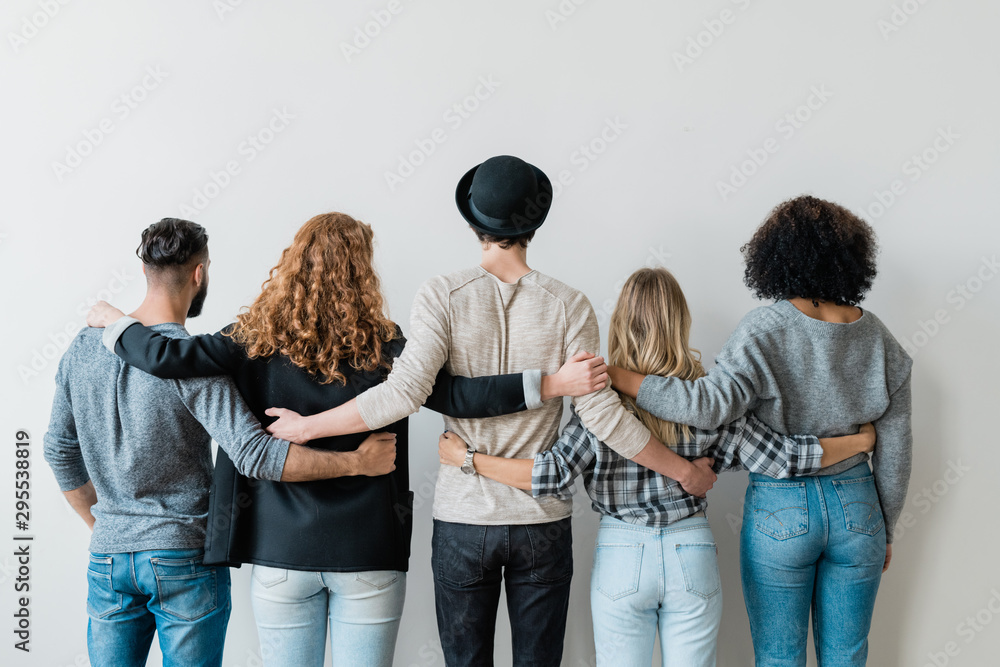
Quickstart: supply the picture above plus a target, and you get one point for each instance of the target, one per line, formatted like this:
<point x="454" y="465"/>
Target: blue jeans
<point x="647" y="579"/>
<point x="472" y="562"/>
<point x="293" y="608"/>
<point x="812" y="542"/>
<point x="132" y="595"/>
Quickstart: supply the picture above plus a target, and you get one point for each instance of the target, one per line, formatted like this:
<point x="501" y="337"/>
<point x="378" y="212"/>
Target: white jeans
<point x="292" y="609"/>
<point x="647" y="579"/>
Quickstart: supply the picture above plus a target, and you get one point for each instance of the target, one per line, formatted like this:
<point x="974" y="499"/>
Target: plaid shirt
<point x="625" y="490"/>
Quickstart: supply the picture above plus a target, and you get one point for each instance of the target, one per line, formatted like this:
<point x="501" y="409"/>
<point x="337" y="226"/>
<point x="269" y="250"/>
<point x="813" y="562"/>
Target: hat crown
<point x="504" y="196"/>
<point x="502" y="184"/>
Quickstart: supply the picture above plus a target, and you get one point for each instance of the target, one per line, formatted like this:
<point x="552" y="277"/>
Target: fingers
<point x="275" y="412"/>
<point x="596" y="362"/>
<point x="581" y="356"/>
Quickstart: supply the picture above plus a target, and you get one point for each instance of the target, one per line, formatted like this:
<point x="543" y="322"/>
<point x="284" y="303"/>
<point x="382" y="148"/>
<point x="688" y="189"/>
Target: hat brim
<point x="462" y="200"/>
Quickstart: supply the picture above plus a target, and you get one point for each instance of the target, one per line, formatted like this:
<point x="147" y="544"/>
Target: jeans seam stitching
<point x="131" y="560"/>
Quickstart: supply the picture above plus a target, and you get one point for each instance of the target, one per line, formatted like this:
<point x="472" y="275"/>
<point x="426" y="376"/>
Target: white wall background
<point x="895" y="75"/>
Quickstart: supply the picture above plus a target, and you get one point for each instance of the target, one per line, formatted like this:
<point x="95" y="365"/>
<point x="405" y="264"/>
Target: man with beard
<point x="132" y="454"/>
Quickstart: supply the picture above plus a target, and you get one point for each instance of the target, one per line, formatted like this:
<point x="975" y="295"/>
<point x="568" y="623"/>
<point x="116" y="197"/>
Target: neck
<point x="507" y="265"/>
<point x="160" y="307"/>
<point x="827" y="311"/>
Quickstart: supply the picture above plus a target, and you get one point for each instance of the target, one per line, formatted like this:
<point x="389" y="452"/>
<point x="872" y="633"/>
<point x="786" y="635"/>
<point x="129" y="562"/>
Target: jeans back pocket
<point x="457" y="553"/>
<point x="700" y="564"/>
<point x="102" y="599"/>
<point x="859" y="498"/>
<point x="269" y="577"/>
<point x="616" y="569"/>
<point x="551" y="547"/>
<point x="779" y="509"/>
<point x="186" y="588"/>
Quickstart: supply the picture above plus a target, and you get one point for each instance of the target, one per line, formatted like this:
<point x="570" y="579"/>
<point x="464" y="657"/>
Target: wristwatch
<point x="468" y="468"/>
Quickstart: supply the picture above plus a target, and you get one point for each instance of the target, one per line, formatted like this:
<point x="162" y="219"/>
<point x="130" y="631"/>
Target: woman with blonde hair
<point x="333" y="552"/>
<point x="655" y="562"/>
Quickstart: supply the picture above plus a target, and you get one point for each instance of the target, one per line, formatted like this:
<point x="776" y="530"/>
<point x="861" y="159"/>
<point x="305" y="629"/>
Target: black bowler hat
<point x="504" y="196"/>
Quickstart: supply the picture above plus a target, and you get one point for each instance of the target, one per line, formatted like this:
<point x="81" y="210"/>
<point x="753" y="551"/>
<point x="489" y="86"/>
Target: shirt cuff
<point x="113" y="332"/>
<point x="273" y="464"/>
<point x="545" y="477"/>
<point x="532" y="381"/>
<point x="368" y="411"/>
<point x="645" y="389"/>
<point x="69" y="480"/>
<point x="810" y="455"/>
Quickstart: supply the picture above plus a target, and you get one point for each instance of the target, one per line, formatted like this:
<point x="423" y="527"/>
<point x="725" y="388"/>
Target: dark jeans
<point x="534" y="562"/>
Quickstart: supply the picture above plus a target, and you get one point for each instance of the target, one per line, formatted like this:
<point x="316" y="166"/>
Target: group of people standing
<point x="327" y="527"/>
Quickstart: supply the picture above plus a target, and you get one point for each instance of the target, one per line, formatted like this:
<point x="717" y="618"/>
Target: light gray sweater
<point x="472" y="323"/>
<point x="798" y="374"/>
<point x="146" y="445"/>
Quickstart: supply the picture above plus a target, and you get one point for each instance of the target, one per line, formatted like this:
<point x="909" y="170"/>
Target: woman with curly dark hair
<point x="809" y="363"/>
<point x="332" y="553"/>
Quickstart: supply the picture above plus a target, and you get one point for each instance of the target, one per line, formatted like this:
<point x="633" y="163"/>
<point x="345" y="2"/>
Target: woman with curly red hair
<point x="333" y="551"/>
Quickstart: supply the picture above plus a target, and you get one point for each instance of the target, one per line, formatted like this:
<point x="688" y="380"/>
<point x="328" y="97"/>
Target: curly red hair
<point x="322" y="303"/>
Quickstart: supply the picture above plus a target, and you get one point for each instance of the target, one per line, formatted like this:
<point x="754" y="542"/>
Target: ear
<point x="199" y="275"/>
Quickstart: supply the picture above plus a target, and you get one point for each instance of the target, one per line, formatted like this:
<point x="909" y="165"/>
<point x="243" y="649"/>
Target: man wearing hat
<point x="500" y="317"/>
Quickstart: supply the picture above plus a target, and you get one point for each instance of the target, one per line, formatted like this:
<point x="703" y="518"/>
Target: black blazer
<point x="344" y="524"/>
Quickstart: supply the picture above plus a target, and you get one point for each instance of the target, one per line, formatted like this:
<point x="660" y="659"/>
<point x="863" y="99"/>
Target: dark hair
<point x="506" y="242"/>
<point x="172" y="242"/>
<point x="814" y="249"/>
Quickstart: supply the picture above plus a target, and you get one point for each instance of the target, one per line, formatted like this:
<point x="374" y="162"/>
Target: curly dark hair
<point x="814" y="249"/>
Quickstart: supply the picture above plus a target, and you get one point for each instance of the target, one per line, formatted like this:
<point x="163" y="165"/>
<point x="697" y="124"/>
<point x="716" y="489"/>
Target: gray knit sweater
<point x="802" y="375"/>
<point x="145" y="444"/>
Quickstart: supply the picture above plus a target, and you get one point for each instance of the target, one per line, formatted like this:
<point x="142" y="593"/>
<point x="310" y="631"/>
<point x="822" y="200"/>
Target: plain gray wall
<point x="684" y="94"/>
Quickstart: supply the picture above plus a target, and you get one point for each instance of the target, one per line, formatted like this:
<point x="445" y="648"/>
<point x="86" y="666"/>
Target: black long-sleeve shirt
<point x="345" y="524"/>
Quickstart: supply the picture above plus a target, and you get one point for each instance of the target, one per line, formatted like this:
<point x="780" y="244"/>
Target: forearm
<point x="82" y="499"/>
<point x="892" y="460"/>
<point x="512" y="472"/>
<point x="626" y="381"/>
<point x="341" y="420"/>
<point x="218" y="405"/>
<point x="659" y="458"/>
<point x="840" y="449"/>
<point x="304" y="464"/>
<point x="707" y="403"/>
<point x="477" y="397"/>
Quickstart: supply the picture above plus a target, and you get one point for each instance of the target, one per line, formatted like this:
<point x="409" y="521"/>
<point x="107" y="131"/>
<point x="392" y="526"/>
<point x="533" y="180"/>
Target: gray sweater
<point x="146" y="444"/>
<point x="798" y="374"/>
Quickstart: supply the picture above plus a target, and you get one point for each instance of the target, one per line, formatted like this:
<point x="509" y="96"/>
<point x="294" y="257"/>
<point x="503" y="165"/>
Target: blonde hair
<point x="649" y="334"/>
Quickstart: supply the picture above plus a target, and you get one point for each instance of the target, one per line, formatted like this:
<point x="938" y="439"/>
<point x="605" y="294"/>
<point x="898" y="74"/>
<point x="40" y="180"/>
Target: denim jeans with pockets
<point x="471" y="563"/>
<point x="812" y="544"/>
<point x="170" y="593"/>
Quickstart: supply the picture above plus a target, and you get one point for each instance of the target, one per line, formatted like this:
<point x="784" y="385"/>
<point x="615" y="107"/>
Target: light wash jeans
<point x="131" y="596"/>
<point x="647" y="578"/>
<point x="293" y="607"/>
<point x="812" y="542"/>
